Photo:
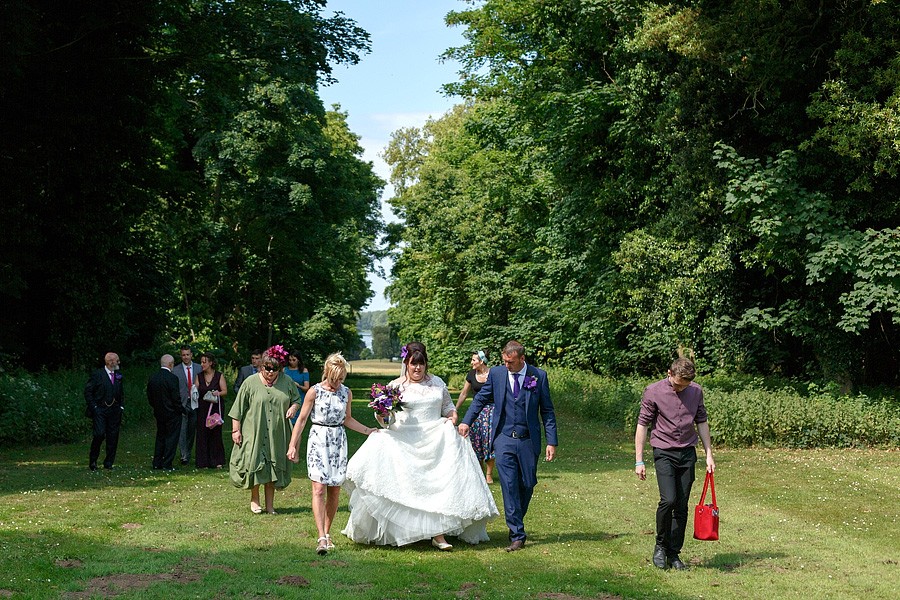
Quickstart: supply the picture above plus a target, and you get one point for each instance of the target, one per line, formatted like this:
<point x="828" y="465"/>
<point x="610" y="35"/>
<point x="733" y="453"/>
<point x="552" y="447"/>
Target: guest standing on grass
<point x="328" y="406"/>
<point x="248" y="371"/>
<point x="261" y="428"/>
<point x="671" y="408"/>
<point x="211" y="388"/>
<point x="521" y="395"/>
<point x="163" y="396"/>
<point x="104" y="395"/>
<point x="298" y="372"/>
<point x="480" y="433"/>
<point x="187" y="373"/>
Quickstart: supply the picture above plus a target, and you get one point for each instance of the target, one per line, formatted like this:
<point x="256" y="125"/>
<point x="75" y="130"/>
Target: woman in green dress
<point x="261" y="430"/>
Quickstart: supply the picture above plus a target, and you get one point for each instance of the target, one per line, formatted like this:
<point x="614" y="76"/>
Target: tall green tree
<point x="75" y="155"/>
<point x="189" y="183"/>
<point x="647" y="237"/>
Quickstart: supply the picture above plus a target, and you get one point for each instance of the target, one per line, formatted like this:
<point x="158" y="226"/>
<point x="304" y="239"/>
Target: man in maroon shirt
<point x="671" y="408"/>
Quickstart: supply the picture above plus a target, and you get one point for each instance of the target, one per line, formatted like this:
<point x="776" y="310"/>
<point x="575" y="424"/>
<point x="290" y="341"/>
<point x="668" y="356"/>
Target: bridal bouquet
<point x="386" y="400"/>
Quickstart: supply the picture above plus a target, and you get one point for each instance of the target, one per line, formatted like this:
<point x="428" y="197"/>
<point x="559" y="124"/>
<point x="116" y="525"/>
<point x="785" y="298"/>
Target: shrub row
<point x="49" y="408"/>
<point x="745" y="411"/>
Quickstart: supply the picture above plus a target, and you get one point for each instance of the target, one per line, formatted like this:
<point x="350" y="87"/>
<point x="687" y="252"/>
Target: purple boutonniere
<point x="118" y="377"/>
<point x="529" y="383"/>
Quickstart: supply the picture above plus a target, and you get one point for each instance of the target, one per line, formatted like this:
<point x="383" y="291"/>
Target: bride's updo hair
<point x="416" y="354"/>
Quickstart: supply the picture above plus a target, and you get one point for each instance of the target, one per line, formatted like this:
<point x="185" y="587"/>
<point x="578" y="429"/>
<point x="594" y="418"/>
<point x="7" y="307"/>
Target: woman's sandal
<point x="322" y="547"/>
<point x="255" y="508"/>
<point x="328" y="543"/>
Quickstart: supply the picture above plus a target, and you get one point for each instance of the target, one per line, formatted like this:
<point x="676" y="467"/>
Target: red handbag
<point x="706" y="516"/>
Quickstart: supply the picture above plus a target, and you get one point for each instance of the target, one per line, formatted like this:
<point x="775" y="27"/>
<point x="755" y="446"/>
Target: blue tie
<point x="516" y="388"/>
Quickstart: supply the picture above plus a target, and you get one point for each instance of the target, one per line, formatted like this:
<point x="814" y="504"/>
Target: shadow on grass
<point x="735" y="560"/>
<point x="53" y="564"/>
<point x="577" y="536"/>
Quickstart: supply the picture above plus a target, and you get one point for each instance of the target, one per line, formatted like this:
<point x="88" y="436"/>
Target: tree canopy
<point x="623" y="179"/>
<point x="171" y="175"/>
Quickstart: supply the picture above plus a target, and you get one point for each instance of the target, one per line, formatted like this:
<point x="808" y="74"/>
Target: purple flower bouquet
<point x="386" y="400"/>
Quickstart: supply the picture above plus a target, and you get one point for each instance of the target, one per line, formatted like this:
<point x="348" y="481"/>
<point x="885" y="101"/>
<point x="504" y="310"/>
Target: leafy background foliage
<point x="626" y="178"/>
<point x="171" y="176"/>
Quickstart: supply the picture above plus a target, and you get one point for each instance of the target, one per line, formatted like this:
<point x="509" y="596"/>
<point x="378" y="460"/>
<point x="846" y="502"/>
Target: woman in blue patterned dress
<point x="480" y="433"/>
<point x="327" y="405"/>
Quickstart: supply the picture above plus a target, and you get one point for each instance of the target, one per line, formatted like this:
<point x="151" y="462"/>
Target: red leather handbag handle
<point x="709" y="483"/>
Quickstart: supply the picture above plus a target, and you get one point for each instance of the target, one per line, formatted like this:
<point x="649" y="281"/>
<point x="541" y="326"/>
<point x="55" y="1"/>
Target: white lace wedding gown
<point x="418" y="478"/>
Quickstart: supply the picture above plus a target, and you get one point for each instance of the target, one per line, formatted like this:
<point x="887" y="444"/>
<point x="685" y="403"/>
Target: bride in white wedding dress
<point x="418" y="479"/>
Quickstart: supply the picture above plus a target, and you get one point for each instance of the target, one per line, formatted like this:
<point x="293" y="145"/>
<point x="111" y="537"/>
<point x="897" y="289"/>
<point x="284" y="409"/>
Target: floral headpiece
<point x="278" y="353"/>
<point x="403" y="352"/>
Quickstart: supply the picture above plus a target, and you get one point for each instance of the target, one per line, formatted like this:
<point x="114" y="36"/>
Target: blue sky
<point x="398" y="83"/>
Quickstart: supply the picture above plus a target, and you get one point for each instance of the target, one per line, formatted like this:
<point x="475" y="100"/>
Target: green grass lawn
<point x="794" y="524"/>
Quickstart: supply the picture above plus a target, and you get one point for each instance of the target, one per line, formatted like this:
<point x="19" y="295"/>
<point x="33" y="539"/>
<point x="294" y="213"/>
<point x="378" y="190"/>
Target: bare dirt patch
<point x="294" y="580"/>
<point x="329" y="563"/>
<point x="68" y="563"/>
<point x="6" y="593"/>
<point x="353" y="587"/>
<point x="130" y="526"/>
<point x="110" y="586"/>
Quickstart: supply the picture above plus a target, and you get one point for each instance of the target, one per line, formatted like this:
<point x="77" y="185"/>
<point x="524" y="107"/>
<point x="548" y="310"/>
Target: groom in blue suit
<point x="520" y="394"/>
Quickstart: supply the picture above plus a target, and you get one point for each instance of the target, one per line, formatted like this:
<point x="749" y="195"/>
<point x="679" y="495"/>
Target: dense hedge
<point x="49" y="408"/>
<point x="745" y="411"/>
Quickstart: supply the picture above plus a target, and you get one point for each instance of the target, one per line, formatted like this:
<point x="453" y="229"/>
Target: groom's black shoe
<point x="659" y="557"/>
<point x="677" y="564"/>
<point x="515" y="545"/>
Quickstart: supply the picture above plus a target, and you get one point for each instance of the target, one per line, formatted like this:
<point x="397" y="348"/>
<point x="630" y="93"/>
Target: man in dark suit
<point x="248" y="370"/>
<point x="187" y="372"/>
<point x="520" y="394"/>
<point x="163" y="396"/>
<point x="105" y="399"/>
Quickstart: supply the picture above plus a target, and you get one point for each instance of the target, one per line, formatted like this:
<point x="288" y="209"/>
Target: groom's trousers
<point x="517" y="467"/>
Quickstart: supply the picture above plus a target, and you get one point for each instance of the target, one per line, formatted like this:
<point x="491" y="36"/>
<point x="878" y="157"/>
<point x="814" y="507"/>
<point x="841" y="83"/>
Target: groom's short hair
<point x="513" y="347"/>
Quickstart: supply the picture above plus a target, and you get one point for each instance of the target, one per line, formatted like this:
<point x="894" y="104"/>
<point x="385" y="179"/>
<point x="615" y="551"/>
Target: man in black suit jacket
<point x="163" y="396"/>
<point x="248" y="370"/>
<point x="105" y="399"/>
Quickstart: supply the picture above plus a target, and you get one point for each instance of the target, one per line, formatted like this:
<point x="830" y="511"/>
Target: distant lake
<point x="366" y="338"/>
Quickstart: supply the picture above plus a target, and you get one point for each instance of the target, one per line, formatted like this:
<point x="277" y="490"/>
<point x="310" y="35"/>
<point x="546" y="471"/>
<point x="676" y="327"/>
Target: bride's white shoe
<point x="442" y="546"/>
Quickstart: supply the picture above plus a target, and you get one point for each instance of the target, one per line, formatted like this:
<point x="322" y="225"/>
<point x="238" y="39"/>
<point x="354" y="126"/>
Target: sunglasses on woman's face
<point x="270" y="368"/>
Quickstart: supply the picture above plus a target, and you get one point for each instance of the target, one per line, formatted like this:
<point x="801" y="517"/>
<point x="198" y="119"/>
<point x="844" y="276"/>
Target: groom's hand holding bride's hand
<point x="463" y="430"/>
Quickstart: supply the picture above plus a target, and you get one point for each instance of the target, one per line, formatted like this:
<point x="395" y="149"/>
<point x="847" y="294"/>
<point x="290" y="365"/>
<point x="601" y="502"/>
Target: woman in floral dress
<point x="480" y="433"/>
<point x="327" y="405"/>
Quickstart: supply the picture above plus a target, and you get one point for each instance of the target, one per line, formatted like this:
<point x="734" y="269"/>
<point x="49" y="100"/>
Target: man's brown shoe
<point x="515" y="545"/>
